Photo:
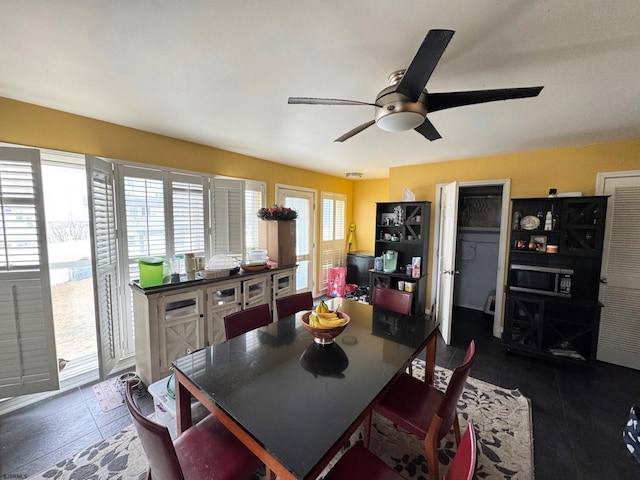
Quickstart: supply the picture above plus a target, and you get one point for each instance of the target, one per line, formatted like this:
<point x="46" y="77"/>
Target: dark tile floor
<point x="578" y="414"/>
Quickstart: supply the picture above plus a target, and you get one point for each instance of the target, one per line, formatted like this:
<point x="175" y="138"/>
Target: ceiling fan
<point x="404" y="104"/>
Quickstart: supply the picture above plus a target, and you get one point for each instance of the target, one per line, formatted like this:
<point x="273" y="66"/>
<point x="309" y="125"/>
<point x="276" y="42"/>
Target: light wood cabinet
<point x="167" y="326"/>
<point x="283" y="285"/>
<point x="171" y="320"/>
<point x="256" y="291"/>
<point x="223" y="299"/>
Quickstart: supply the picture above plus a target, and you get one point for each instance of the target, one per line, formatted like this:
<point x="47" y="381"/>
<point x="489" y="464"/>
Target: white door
<point x="447" y="258"/>
<point x="28" y="362"/>
<point x="303" y="202"/>
<point x="619" y="338"/>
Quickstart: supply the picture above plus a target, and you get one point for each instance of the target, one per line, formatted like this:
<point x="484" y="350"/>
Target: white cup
<point x="400" y="284"/>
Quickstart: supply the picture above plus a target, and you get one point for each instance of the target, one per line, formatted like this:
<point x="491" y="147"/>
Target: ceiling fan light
<point x="400" y="121"/>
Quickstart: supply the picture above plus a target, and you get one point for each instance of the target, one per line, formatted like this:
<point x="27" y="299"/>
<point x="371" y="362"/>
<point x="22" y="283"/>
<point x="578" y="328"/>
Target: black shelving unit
<point x="404" y="228"/>
<point x="560" y="325"/>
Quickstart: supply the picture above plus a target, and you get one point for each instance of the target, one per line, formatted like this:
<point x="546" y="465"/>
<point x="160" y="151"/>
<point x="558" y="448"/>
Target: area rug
<point x="109" y="394"/>
<point x="502" y="418"/>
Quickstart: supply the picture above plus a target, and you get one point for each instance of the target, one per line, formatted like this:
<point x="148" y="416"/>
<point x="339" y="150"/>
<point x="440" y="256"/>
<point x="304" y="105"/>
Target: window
<point x="228" y="207"/>
<point x="188" y="214"/>
<point x="333" y="234"/>
<point x="144" y="213"/>
<point x="254" y="200"/>
<point x="135" y="211"/>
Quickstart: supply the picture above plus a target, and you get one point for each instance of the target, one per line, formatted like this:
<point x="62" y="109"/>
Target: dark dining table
<point x="294" y="402"/>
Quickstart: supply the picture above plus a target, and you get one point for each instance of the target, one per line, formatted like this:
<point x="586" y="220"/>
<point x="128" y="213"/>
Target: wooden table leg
<point x="183" y="406"/>
<point x="430" y="356"/>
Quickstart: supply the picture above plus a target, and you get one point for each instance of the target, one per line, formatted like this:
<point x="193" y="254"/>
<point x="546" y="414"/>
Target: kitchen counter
<point x="167" y="287"/>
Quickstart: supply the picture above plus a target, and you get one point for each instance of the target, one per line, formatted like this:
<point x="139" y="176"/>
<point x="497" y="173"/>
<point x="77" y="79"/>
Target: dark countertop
<point x="165" y="287"/>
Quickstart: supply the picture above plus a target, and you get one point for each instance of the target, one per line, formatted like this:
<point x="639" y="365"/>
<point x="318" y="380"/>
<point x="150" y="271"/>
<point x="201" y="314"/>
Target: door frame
<point x="279" y="187"/>
<point x="505" y="183"/>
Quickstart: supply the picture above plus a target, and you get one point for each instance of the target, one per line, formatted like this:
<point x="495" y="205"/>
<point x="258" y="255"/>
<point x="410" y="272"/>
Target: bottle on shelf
<point x="548" y="221"/>
<point x="415" y="267"/>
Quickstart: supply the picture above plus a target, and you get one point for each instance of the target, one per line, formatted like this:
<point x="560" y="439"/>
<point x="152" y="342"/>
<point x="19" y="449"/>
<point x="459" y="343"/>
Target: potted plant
<point x="277" y="212"/>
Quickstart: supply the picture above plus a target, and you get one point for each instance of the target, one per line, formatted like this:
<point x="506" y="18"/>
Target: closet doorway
<point x="480" y="237"/>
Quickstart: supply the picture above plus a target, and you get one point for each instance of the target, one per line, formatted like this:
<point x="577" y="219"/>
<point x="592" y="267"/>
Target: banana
<point x="327" y="315"/>
<point x="322" y="307"/>
<point x="336" y="322"/>
<point x="313" y="320"/>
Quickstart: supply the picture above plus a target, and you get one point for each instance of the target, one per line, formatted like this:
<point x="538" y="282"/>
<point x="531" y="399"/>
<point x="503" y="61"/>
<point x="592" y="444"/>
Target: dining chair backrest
<point x="156" y="443"/>
<point x="395" y="300"/>
<point x="447" y="410"/>
<point x="463" y="465"/>
<point x="248" y="319"/>
<point x="291" y="304"/>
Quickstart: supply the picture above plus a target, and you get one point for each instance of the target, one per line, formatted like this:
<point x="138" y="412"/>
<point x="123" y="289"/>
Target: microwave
<point x="552" y="281"/>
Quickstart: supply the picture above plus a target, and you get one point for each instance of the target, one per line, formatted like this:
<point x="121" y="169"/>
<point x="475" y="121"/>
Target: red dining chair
<point x="390" y="299"/>
<point x="291" y="304"/>
<point x="463" y="465"/>
<point x="245" y="320"/>
<point x="359" y="463"/>
<point x="425" y="411"/>
<point x="205" y="451"/>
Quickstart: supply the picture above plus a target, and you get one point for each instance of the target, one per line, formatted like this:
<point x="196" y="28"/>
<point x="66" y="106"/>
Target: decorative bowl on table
<point x="324" y="334"/>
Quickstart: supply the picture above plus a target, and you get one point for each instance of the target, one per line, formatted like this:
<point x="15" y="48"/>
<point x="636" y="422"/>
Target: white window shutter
<point x="28" y="362"/>
<point x="254" y="200"/>
<point x="333" y="248"/>
<point x="228" y="210"/>
<point x="105" y="262"/>
<point x="187" y="195"/>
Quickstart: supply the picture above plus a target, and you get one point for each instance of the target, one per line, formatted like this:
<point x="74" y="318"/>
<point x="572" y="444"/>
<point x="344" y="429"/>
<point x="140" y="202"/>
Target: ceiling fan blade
<point x="355" y="131"/>
<point x="415" y="78"/>
<point x="428" y="130"/>
<point x="441" y="101"/>
<point x="325" y="101"/>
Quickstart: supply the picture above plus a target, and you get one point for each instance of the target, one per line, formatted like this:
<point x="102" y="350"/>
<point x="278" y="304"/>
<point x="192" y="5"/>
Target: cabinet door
<point x="584" y="226"/>
<point x="571" y="330"/>
<point x="255" y="291"/>
<point x="523" y="322"/>
<point x="283" y="285"/>
<point x="222" y="299"/>
<point x="181" y="317"/>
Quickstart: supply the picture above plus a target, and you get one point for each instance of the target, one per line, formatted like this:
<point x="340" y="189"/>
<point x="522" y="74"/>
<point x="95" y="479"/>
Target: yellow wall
<point x="569" y="169"/>
<point x="31" y="125"/>
<point x="531" y="173"/>
<point x="366" y="193"/>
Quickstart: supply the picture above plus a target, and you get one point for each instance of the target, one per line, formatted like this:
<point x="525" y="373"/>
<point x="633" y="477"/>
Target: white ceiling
<point x="219" y="72"/>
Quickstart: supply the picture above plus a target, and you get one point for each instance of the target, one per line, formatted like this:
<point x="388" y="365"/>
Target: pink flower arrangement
<point x="277" y="212"/>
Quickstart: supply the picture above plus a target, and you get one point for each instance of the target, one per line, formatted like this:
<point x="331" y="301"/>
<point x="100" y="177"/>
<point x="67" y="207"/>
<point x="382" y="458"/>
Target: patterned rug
<point x="502" y="418"/>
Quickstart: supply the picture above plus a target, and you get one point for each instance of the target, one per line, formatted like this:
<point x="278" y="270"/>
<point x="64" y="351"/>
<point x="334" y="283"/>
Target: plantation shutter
<point x="28" y="362"/>
<point x="105" y="262"/>
<point x="333" y="248"/>
<point x="228" y="210"/>
<point x="187" y="194"/>
<point x="254" y="200"/>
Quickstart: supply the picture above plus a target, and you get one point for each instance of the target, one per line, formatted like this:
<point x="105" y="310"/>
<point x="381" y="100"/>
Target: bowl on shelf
<point x="325" y="335"/>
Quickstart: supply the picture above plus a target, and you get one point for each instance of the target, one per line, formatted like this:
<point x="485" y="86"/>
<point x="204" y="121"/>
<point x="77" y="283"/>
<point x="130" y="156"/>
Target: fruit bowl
<point x="325" y="335"/>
